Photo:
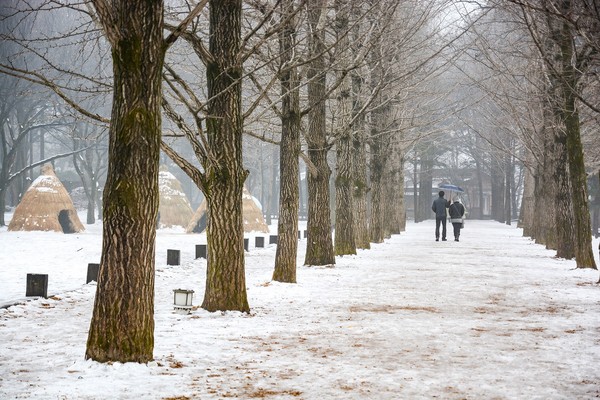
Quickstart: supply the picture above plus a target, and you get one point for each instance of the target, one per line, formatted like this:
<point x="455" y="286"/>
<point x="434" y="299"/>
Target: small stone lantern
<point x="182" y="300"/>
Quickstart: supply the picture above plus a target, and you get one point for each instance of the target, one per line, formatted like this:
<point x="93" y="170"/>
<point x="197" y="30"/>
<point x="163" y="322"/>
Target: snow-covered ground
<point x="494" y="316"/>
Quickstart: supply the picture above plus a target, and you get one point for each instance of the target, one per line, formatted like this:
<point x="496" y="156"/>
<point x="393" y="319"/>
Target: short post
<point x="92" y="272"/>
<point x="201" y="251"/>
<point x="37" y="285"/>
<point x="182" y="300"/>
<point x="273" y="239"/>
<point x="305" y="234"/>
<point x="259" y="241"/>
<point x="299" y="235"/>
<point x="173" y="257"/>
<point x="246" y="244"/>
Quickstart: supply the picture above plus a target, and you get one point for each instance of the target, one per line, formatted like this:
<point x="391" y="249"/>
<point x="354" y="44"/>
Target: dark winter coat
<point x="439" y="207"/>
<point x="457" y="211"/>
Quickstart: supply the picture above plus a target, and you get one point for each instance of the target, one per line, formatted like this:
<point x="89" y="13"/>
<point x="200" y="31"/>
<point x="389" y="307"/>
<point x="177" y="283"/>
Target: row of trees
<point x="326" y="74"/>
<point x="536" y="63"/>
<point x="360" y="86"/>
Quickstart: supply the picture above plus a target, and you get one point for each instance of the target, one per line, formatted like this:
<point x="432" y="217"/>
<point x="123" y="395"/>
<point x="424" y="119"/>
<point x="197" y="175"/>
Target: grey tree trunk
<point x="359" y="154"/>
<point x="584" y="255"/>
<point x="528" y="202"/>
<point x="319" y="250"/>
<point x="122" y="325"/>
<point x="395" y="193"/>
<point x="564" y="208"/>
<point x="344" y="214"/>
<point x="425" y="177"/>
<point x="225" y="176"/>
<point x="376" y="232"/>
<point x="376" y="145"/>
<point x="545" y="189"/>
<point x="287" y="242"/>
<point x="508" y="170"/>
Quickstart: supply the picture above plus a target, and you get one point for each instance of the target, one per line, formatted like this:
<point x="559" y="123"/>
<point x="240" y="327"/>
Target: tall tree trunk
<point x="545" y="189"/>
<point x="497" y="177"/>
<point x="287" y="242"/>
<point x="395" y="192"/>
<point x="361" y="188"/>
<point x="319" y="249"/>
<point x="344" y="221"/>
<point x="359" y="154"/>
<point x="376" y="230"/>
<point x="584" y="255"/>
<point x="122" y="325"/>
<point x="401" y="203"/>
<point x="527" y="203"/>
<point x="376" y="145"/>
<point x="225" y="176"/>
<point x="509" y="178"/>
<point x="425" y="184"/>
<point x="564" y="208"/>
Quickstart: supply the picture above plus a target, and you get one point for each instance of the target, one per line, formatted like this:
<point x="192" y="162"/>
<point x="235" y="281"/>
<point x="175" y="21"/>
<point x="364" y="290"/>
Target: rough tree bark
<point x="344" y="221"/>
<point x="584" y="255"/>
<point x="425" y="183"/>
<point x="319" y="249"/>
<point x="563" y="207"/>
<point x="545" y="188"/>
<point x="224" y="175"/>
<point x="359" y="153"/>
<point x="395" y="192"/>
<point x="287" y="241"/>
<point x="122" y="325"/>
<point x="376" y="145"/>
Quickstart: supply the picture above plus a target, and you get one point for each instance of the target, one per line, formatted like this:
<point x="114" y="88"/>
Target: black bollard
<point x="201" y="251"/>
<point x="37" y="285"/>
<point x="173" y="257"/>
<point x="92" y="272"/>
<point x="246" y="244"/>
<point x="259" y="241"/>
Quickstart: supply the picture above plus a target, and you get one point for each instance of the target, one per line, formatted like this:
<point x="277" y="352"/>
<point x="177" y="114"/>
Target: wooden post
<point x="173" y="257"/>
<point x="259" y="241"/>
<point x="246" y="244"/>
<point x="201" y="251"/>
<point x="37" y="285"/>
<point x="273" y="239"/>
<point x="92" y="273"/>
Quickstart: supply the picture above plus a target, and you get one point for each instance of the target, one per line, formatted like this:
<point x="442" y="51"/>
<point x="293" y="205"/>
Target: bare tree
<point x="319" y="250"/>
<point x="287" y="243"/>
<point x="566" y="63"/>
<point x="122" y="325"/>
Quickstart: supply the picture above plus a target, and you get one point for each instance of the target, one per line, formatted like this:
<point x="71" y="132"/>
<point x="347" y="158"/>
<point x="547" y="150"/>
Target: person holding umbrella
<point x="439" y="208"/>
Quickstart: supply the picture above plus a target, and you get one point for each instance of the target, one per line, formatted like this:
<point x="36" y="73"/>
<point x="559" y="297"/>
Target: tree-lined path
<point x="493" y="316"/>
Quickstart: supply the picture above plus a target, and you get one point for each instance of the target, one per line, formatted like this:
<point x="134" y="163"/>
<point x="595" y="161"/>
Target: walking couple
<point x="456" y="211"/>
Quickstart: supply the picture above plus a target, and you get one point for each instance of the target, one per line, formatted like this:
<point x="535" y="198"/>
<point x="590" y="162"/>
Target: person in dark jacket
<point x="457" y="213"/>
<point x="439" y="208"/>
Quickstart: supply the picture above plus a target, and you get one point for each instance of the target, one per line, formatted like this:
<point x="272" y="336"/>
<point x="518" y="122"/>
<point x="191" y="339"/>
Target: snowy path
<point x="493" y="316"/>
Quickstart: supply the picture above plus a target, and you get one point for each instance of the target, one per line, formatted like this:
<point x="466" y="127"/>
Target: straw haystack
<point x="174" y="208"/>
<point x="46" y="206"/>
<point x="253" y="218"/>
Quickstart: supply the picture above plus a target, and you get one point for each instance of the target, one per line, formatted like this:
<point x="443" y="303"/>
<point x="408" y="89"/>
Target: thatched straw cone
<point x="253" y="217"/>
<point x="46" y="206"/>
<point x="174" y="208"/>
